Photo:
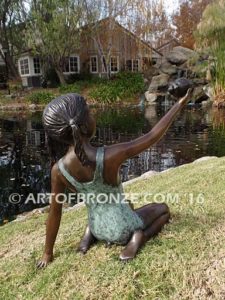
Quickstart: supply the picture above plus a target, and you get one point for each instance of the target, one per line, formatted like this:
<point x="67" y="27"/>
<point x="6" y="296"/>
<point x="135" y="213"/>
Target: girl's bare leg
<point x="155" y="216"/>
<point x="87" y="241"/>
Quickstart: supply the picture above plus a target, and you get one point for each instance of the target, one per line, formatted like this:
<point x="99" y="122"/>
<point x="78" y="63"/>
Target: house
<point x="128" y="52"/>
<point x="30" y="69"/>
<point x="168" y="46"/>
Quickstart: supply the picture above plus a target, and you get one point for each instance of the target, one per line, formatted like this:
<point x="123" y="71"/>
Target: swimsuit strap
<point x="98" y="170"/>
<point x="67" y="175"/>
<point x="99" y="163"/>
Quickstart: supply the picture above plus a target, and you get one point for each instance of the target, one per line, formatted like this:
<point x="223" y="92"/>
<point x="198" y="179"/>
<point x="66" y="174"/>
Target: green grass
<point x="186" y="261"/>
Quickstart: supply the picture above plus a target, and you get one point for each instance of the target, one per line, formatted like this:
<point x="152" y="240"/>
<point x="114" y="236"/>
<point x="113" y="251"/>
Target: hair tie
<point x="73" y="123"/>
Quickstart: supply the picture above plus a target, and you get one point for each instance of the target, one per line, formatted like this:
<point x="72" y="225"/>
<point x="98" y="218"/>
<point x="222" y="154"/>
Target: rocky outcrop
<point x="159" y="83"/>
<point x="180" y="55"/>
<point x="180" y="62"/>
<point x="168" y="68"/>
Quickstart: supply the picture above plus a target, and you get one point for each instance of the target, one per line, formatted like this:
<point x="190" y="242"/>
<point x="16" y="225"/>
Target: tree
<point x="210" y="33"/>
<point x="187" y="19"/>
<point x="149" y="20"/>
<point x="12" y="17"/>
<point x="53" y="31"/>
<point x="96" y="10"/>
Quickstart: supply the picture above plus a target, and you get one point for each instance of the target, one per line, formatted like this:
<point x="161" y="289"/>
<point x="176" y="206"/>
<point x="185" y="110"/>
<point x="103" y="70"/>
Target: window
<point x="132" y="65"/>
<point x="94" y="64"/>
<point x="129" y="65"/>
<point x="74" y="64"/>
<point x="24" y="66"/>
<point x="71" y="64"/>
<point x="37" y="65"/>
<point x="114" y="66"/>
<point x="135" y="65"/>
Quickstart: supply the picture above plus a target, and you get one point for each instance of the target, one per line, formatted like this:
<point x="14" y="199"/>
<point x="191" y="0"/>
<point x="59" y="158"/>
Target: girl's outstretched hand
<point x="184" y="100"/>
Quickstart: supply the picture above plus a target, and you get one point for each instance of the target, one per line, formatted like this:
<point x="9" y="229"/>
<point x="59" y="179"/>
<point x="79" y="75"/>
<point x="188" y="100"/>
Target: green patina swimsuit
<point x="110" y="216"/>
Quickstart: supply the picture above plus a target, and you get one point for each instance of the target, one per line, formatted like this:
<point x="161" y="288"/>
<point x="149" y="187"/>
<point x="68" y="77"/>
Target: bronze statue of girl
<point x="86" y="169"/>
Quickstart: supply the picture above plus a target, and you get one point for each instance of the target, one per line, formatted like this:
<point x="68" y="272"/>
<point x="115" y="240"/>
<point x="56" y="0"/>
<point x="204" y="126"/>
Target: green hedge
<point x="40" y="97"/>
<point x="124" y="85"/>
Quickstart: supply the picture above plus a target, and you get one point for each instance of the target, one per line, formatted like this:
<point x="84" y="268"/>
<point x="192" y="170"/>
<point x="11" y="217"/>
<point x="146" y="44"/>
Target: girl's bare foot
<point x="137" y="240"/>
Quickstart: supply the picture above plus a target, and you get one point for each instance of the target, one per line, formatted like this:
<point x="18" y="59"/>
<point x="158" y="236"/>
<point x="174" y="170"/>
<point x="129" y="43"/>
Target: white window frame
<point x="118" y="66"/>
<point x="91" y="71"/>
<point x="78" y="65"/>
<point x="39" y="65"/>
<point x="21" y="59"/>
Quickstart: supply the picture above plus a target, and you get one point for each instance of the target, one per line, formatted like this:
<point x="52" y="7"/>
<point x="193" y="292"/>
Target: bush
<point x="70" y="88"/>
<point x="73" y="78"/>
<point x="41" y="97"/>
<point x="50" y="79"/>
<point x="123" y="85"/>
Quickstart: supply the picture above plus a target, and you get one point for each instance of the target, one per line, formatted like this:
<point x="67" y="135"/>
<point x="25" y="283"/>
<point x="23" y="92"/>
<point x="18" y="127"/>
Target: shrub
<point x="123" y="85"/>
<point x="70" y="88"/>
<point x="40" y="97"/>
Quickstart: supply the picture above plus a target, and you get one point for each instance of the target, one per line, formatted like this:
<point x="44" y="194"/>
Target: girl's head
<point x="67" y="121"/>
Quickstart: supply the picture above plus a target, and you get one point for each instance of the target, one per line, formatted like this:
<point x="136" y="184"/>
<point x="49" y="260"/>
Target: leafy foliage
<point x="124" y="85"/>
<point x="40" y="97"/>
<point x="211" y="32"/>
<point x="187" y="19"/>
<point x="55" y="24"/>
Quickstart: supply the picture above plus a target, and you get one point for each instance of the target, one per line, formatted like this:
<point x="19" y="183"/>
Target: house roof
<point x="139" y="39"/>
<point x="128" y="32"/>
<point x="167" y="43"/>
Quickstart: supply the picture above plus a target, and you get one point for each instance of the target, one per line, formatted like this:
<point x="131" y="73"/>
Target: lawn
<point x="186" y="261"/>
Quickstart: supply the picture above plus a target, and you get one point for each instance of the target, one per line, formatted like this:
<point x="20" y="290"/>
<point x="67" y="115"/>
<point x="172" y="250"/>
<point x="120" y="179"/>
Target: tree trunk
<point x="12" y="71"/>
<point x="60" y="75"/>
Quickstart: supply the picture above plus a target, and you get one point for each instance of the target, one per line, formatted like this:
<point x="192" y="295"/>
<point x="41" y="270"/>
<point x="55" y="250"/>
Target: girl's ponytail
<point x="78" y="146"/>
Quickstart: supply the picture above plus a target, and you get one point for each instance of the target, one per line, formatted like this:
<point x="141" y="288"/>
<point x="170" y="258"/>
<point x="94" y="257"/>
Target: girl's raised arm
<point x="121" y="152"/>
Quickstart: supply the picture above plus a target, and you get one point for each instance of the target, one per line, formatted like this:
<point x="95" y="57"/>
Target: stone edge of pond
<point x="40" y="107"/>
<point x="146" y="175"/>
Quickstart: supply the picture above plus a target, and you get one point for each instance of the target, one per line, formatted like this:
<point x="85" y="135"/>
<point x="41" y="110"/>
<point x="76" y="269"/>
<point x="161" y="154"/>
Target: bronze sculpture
<point x="68" y="121"/>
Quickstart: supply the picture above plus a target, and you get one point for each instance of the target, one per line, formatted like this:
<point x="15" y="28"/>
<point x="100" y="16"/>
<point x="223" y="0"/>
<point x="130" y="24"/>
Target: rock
<point x="209" y="91"/>
<point x="200" y="81"/>
<point x="180" y="55"/>
<point x="204" y="158"/>
<point x="167" y="68"/>
<point x="179" y="87"/>
<point x="150" y="97"/>
<point x="199" y="95"/>
<point x="32" y="106"/>
<point x="11" y="96"/>
<point x="159" y="83"/>
<point x="206" y="103"/>
<point x="151" y="71"/>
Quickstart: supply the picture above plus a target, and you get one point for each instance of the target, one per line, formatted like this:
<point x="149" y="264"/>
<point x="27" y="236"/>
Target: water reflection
<point x="24" y="166"/>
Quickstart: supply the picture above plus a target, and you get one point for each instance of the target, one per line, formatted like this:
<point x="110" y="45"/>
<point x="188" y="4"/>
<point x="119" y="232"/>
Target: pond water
<point x="24" y="164"/>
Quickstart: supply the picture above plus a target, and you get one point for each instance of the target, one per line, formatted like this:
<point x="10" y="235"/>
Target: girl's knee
<point x="163" y="208"/>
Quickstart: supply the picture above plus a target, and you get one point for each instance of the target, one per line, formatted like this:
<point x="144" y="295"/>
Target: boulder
<point x="159" y="83"/>
<point x="179" y="55"/>
<point x="150" y="97"/>
<point x="168" y="68"/>
<point x="199" y="95"/>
